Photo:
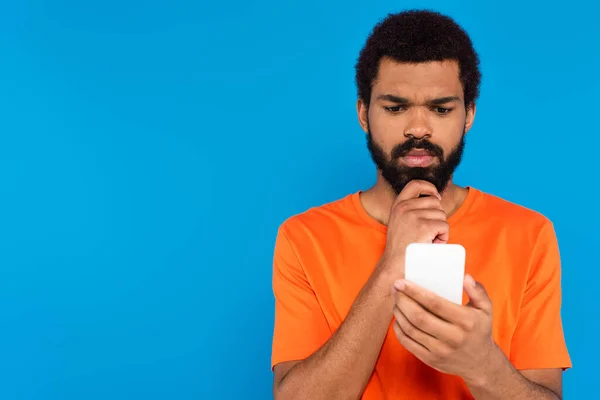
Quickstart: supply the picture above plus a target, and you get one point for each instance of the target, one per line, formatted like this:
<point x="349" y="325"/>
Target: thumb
<point x="478" y="297"/>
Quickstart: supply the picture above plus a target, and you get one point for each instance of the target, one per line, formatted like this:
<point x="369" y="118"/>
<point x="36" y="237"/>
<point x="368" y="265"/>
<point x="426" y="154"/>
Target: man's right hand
<point x="414" y="219"/>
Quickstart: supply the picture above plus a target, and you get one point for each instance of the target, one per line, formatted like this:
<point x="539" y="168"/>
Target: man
<point x="347" y="325"/>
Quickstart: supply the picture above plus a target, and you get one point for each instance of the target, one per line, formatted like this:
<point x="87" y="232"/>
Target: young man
<point x="347" y="325"/>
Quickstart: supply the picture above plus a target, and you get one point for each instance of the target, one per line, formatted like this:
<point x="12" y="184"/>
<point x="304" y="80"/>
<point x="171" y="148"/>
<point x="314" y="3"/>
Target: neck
<point x="378" y="199"/>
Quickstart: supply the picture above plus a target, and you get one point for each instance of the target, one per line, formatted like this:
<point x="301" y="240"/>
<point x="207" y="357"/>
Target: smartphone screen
<point x="439" y="268"/>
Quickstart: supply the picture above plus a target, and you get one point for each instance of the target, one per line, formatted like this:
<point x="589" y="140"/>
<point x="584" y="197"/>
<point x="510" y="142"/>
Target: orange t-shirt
<point x="324" y="256"/>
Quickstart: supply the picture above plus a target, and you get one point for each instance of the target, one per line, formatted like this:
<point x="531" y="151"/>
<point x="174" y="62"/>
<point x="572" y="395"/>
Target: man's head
<point x="418" y="78"/>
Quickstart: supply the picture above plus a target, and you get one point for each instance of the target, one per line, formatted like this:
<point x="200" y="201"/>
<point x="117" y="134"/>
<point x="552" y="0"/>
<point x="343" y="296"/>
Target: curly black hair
<point x="416" y="36"/>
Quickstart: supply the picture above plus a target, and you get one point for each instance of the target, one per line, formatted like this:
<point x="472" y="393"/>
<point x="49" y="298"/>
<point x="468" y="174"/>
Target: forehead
<point x="418" y="81"/>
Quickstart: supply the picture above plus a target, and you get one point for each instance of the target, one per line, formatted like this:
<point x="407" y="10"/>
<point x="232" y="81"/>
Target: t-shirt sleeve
<point x="300" y="325"/>
<point x="538" y="341"/>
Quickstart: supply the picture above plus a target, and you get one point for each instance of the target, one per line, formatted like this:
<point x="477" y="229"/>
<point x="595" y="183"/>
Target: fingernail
<point x="471" y="281"/>
<point x="399" y="285"/>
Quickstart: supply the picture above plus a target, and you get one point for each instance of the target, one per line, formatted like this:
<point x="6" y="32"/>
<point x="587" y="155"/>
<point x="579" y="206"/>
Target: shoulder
<point x="523" y="228"/>
<point x="510" y="215"/>
<point x="318" y="221"/>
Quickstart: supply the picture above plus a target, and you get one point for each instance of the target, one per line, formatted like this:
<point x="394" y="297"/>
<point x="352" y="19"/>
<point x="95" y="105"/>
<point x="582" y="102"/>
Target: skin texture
<point x="450" y="338"/>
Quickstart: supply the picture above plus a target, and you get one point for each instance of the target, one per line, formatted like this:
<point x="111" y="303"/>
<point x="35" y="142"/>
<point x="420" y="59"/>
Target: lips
<point x="418" y="153"/>
<point x="417" y="158"/>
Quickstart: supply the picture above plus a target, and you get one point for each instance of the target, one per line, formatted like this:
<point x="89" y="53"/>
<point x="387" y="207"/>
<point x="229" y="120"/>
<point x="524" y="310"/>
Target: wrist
<point x="387" y="271"/>
<point x="489" y="369"/>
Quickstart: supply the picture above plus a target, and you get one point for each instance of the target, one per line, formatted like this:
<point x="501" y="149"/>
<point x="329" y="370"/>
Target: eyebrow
<point x="443" y="100"/>
<point x="404" y="100"/>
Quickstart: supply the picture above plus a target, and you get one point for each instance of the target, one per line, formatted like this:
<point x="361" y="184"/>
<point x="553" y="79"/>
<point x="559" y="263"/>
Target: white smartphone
<point x="439" y="268"/>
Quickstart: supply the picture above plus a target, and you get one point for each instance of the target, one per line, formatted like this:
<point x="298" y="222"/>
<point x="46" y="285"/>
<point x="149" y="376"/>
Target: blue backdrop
<point x="149" y="151"/>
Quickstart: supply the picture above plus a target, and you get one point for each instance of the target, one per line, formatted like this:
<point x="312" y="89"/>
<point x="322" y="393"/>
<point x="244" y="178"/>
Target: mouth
<point x="417" y="158"/>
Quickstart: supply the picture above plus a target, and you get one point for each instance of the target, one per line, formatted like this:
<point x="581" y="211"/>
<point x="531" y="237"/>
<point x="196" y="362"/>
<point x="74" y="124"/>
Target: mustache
<point x="412" y="143"/>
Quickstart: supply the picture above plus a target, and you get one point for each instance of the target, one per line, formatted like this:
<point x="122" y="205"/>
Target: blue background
<point x="149" y="151"/>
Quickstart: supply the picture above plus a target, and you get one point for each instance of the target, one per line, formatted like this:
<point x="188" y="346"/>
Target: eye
<point x="442" y="110"/>
<point x="395" y="109"/>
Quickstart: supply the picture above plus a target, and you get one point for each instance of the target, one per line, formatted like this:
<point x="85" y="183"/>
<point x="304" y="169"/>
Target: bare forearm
<point x="503" y="381"/>
<point x="342" y="367"/>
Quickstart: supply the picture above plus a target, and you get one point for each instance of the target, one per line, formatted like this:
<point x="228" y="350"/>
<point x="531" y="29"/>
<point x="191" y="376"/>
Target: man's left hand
<point x="451" y="338"/>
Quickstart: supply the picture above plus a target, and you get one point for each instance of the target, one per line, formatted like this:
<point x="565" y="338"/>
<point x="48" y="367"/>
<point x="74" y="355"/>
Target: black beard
<point x="398" y="176"/>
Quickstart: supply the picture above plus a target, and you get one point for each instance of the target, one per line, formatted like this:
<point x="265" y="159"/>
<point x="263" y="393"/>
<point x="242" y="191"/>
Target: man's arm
<point x="538" y="352"/>
<point x="341" y="368"/>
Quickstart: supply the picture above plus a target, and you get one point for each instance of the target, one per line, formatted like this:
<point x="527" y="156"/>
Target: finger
<point x="478" y="297"/>
<point x="429" y="202"/>
<point x="429" y="213"/>
<point x="412" y="346"/>
<point x="416" y="334"/>
<point x="415" y="188"/>
<point x="434" y="229"/>
<point x="437" y="305"/>
<point x="424" y="321"/>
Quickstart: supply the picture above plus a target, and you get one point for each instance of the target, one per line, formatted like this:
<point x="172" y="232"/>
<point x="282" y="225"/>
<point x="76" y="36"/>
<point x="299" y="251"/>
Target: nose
<point x="418" y="126"/>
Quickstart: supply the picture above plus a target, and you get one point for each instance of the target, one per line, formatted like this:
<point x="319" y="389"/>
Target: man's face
<point x="416" y="122"/>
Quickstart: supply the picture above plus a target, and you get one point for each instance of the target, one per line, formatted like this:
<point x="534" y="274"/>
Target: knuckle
<point x="469" y="325"/>
<point x="459" y="340"/>
<point x="442" y="352"/>
<point x="402" y="207"/>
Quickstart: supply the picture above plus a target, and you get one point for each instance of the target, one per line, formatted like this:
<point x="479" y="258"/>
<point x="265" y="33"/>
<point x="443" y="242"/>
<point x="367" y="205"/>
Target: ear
<point x="470" y="117"/>
<point x="363" y="115"/>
